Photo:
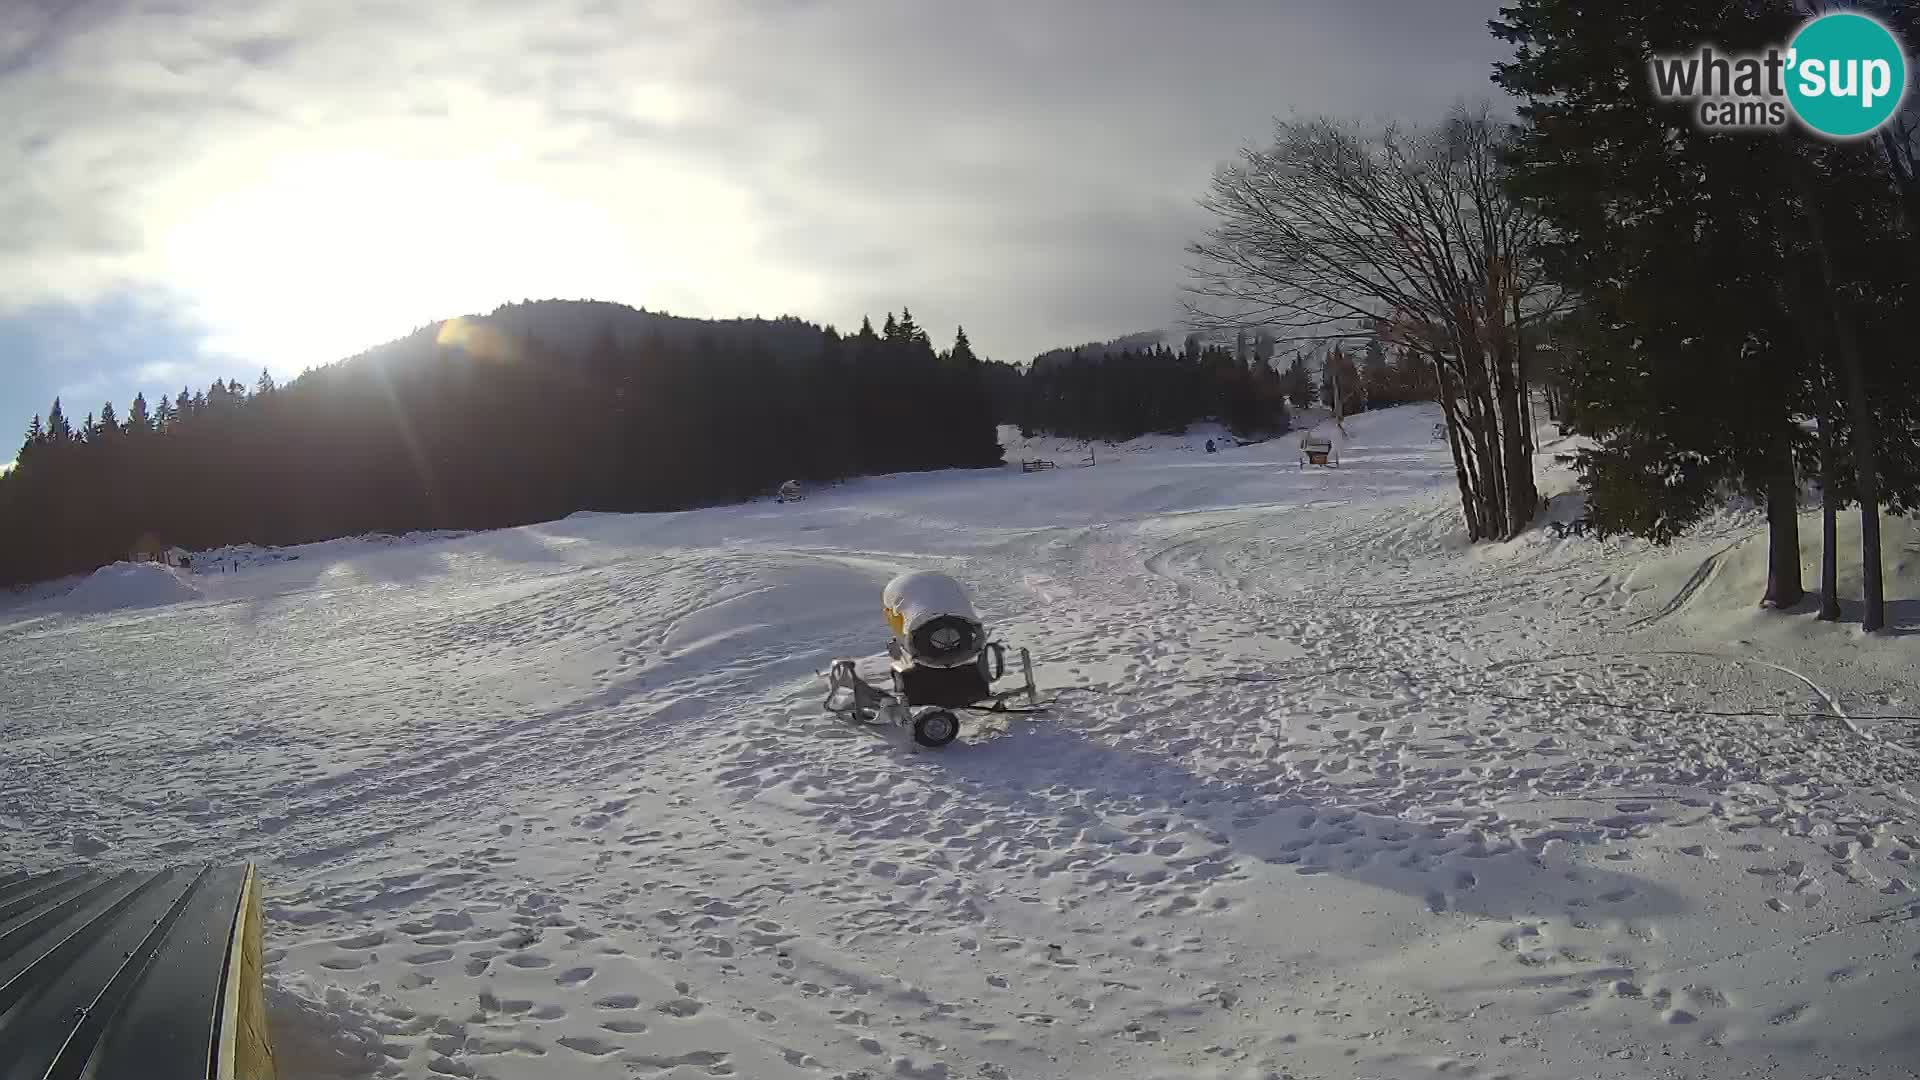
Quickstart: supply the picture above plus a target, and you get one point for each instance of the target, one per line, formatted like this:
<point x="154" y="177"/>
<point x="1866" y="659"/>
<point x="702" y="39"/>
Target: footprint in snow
<point x="625" y="1027"/>
<point x="1791" y="1014"/>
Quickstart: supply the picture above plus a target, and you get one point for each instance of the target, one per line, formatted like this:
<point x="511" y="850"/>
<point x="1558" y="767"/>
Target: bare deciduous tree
<point x="1332" y="231"/>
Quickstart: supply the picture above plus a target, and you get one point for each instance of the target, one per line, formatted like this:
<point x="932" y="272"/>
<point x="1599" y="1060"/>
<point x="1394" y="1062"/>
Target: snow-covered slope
<point x="1326" y="793"/>
<point x="1065" y="451"/>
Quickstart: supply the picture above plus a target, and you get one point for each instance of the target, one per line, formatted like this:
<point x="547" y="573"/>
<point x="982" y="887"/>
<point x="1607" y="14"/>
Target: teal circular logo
<point x="1846" y="74"/>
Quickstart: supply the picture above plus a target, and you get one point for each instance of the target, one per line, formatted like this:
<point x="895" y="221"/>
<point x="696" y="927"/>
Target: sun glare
<point x="310" y="259"/>
<point x="323" y="258"/>
<point x="479" y="340"/>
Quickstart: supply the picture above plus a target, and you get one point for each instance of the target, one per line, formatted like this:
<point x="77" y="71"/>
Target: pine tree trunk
<point x="1784" y="586"/>
<point x="1868" y="489"/>
<point x="1829" y="525"/>
<point x="1866" y="471"/>
<point x="1865" y="437"/>
<point x="1864" y="444"/>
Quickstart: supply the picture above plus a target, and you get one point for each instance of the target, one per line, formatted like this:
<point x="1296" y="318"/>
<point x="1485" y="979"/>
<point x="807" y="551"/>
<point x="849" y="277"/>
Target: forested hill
<point x="527" y="414"/>
<point x="569" y="328"/>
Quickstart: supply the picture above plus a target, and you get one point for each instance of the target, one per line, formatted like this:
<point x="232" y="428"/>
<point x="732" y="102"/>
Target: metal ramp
<point x="139" y="974"/>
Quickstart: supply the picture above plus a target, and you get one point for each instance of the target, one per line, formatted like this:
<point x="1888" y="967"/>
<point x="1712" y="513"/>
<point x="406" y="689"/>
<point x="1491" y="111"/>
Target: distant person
<point x="1209" y="446"/>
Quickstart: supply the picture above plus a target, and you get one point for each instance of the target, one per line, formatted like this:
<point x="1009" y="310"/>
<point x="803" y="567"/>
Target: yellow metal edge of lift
<point x="245" y="1049"/>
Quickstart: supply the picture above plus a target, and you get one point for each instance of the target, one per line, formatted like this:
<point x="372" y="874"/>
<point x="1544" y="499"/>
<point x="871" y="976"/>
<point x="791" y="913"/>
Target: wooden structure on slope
<point x="1318" y="450"/>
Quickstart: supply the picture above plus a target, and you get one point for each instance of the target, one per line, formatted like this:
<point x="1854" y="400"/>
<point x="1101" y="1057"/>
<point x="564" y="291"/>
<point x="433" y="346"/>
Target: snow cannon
<point x="942" y="662"/>
<point x="932" y="620"/>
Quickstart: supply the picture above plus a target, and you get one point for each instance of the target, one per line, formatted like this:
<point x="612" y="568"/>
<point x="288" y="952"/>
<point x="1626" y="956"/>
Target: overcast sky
<point x="194" y="189"/>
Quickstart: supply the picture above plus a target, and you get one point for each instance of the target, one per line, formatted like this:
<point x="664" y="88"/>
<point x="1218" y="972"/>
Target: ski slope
<point x="1326" y="792"/>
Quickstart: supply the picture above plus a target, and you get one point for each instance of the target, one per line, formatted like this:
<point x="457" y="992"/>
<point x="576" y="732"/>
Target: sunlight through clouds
<point x="287" y="183"/>
<point x="315" y="257"/>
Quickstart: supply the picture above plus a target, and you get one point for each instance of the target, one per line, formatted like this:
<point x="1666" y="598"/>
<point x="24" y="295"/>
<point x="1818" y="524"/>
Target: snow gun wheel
<point x="936" y="727"/>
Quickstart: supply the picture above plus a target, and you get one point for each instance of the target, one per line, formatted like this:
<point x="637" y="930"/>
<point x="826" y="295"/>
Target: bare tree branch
<point x="1335" y="233"/>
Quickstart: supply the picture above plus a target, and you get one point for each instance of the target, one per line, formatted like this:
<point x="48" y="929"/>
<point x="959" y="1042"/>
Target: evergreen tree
<point x="1376" y="380"/>
<point x="1714" y="321"/>
<point x="962" y="354"/>
<point x="909" y="331"/>
<point x="1297" y="383"/>
<point x="58" y="430"/>
<point x="974" y="427"/>
<point x="1340" y="383"/>
<point x="441" y="439"/>
<point x="1123" y="394"/>
<point x="265" y="384"/>
<point x="138" y="420"/>
<point x="36" y="435"/>
<point x="1263" y="345"/>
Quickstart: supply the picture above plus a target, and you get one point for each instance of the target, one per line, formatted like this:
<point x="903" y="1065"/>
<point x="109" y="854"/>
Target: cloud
<point x="160" y="371"/>
<point x="296" y="181"/>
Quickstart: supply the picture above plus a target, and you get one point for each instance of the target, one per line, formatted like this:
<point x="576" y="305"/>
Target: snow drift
<point x="127" y="585"/>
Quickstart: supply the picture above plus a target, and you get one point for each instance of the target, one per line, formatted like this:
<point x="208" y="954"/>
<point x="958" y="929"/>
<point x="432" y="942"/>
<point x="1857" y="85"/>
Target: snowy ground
<point x="1330" y="794"/>
<point x="1069" y="452"/>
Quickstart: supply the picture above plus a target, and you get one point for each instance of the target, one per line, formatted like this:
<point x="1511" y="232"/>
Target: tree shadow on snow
<point x="1903" y="615"/>
<point x="1134" y="798"/>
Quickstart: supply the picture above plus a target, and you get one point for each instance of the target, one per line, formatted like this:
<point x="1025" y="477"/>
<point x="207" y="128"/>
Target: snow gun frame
<point x="926" y="700"/>
<point x="942" y="662"/>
